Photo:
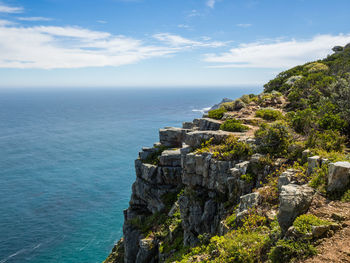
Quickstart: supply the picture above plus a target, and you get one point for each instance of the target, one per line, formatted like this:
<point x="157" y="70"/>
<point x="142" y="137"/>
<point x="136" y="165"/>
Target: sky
<point x="159" y="43"/>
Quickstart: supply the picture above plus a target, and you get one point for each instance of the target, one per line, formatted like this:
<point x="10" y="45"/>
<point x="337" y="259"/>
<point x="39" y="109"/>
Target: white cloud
<point x="6" y="23"/>
<point x="211" y="3"/>
<point x="193" y="13"/>
<point x="179" y="41"/>
<point x="49" y="47"/>
<point x="34" y="18"/>
<point x="278" y="54"/>
<point x="101" y="21"/>
<point x="10" y="9"/>
<point x="244" y="25"/>
<point x="183" y="26"/>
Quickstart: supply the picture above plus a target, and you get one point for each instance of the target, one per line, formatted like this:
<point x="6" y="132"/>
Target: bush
<point x="316" y="67"/>
<point x="233" y="105"/>
<point x="346" y="196"/>
<point x="304" y="223"/>
<point x="303" y="121"/>
<point x="230" y="149"/>
<point x="269" y="114"/>
<point x="233" y="125"/>
<point x="319" y="178"/>
<point x="273" y="138"/>
<point x="329" y="118"/>
<point x="217" y="114"/>
<point x="327" y="140"/>
<point x="286" y="250"/>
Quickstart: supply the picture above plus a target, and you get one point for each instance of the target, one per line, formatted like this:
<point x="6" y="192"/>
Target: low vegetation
<point x="217" y="114"/>
<point x="233" y="125"/>
<point x="229" y="149"/>
<point x="269" y="114"/>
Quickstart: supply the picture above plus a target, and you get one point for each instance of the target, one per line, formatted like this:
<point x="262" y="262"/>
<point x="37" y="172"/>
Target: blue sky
<point x="81" y="43"/>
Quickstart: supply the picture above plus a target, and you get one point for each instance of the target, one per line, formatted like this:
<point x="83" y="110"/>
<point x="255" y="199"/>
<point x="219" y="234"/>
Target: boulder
<point x="338" y="176"/>
<point x="196" y="138"/>
<point x="249" y="201"/>
<point x="286" y="178"/>
<point x="206" y="124"/>
<point x="294" y="201"/>
<point x="239" y="104"/>
<point x="313" y="163"/>
<point x="172" y="137"/>
<point x="319" y="231"/>
<point x="246" y="202"/>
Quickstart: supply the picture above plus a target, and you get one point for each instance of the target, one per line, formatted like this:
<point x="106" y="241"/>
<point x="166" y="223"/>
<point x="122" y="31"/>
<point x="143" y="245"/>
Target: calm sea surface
<point x="66" y="164"/>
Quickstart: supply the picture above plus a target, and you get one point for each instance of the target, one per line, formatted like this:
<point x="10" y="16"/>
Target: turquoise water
<point x="66" y="164"/>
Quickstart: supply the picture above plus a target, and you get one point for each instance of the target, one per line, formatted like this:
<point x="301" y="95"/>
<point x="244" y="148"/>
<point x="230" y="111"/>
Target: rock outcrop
<point x="294" y="201"/>
<point x="339" y="176"/>
<point x="172" y="165"/>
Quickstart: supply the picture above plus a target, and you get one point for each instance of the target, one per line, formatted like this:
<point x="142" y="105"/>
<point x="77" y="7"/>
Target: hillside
<point x="264" y="178"/>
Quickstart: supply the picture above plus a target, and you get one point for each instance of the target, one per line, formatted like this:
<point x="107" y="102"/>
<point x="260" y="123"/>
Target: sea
<point x="67" y="163"/>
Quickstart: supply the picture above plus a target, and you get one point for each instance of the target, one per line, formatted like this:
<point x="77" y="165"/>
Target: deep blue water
<point x="66" y="164"/>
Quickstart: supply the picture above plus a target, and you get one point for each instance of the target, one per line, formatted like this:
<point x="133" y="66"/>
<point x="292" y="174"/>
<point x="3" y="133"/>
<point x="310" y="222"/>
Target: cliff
<point x="264" y="178"/>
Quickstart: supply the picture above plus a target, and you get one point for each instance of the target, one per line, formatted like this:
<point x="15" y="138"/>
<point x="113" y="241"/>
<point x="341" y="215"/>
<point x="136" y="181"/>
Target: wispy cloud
<point x="244" y="25"/>
<point x="49" y="47"/>
<point x="34" y="19"/>
<point x="211" y="3"/>
<point x="179" y="41"/>
<point x="10" y="9"/>
<point x="278" y="54"/>
<point x="101" y="21"/>
<point x="183" y="26"/>
<point x="193" y="13"/>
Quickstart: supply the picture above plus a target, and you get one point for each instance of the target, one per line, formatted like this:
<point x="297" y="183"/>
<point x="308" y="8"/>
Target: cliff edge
<point x="264" y="178"/>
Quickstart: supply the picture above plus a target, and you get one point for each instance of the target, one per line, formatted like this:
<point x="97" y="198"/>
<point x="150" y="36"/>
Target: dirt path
<point x="335" y="249"/>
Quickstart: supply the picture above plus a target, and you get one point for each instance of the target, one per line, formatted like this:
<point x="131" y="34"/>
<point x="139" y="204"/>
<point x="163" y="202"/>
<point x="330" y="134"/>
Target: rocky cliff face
<point x="258" y="186"/>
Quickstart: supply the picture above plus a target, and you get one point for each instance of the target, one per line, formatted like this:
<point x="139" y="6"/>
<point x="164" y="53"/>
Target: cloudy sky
<point x="81" y="43"/>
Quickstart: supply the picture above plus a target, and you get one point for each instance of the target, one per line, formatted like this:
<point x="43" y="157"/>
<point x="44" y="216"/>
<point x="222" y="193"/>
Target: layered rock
<point x="172" y="165"/>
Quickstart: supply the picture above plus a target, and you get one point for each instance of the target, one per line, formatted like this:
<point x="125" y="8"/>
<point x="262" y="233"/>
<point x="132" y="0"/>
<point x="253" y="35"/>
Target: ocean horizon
<point x="67" y="163"/>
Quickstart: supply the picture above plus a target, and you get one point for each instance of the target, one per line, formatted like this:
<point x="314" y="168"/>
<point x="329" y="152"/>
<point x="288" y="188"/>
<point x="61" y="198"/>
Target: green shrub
<point x="273" y="138"/>
<point x="229" y="149"/>
<point x="217" y="114"/>
<point x="329" y="118"/>
<point x="319" y="178"/>
<point x="346" y="196"/>
<point x="231" y="220"/>
<point x="248" y="177"/>
<point x="287" y="250"/>
<point x="233" y="125"/>
<point x="327" y="140"/>
<point x="269" y="114"/>
<point x="304" y="223"/>
<point x="303" y="121"/>
<point x="233" y="105"/>
<point x="316" y="67"/>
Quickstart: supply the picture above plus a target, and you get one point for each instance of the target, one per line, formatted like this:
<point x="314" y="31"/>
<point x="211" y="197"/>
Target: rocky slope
<point x="262" y="178"/>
